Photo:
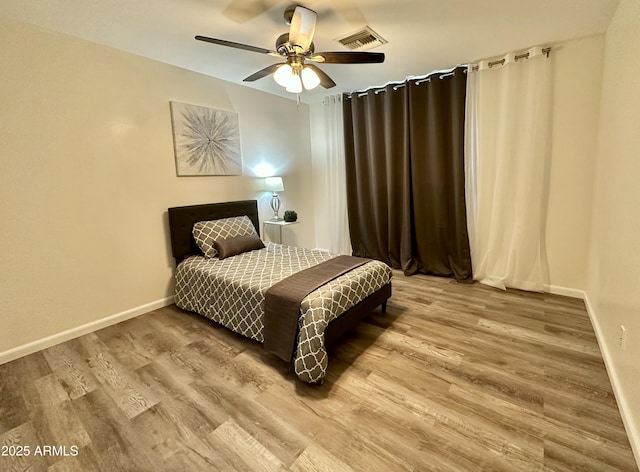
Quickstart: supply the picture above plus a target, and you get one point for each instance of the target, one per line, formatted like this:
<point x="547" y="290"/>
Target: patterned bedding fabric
<point x="231" y="292"/>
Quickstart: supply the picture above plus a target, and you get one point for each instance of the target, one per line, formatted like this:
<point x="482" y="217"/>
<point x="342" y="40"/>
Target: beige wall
<point x="613" y="287"/>
<point x="577" y="67"/>
<point x="87" y="173"/>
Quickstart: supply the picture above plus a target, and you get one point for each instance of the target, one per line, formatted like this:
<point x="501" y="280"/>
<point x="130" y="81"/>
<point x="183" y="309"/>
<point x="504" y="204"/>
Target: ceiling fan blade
<point x="325" y="80"/>
<point x="303" y="26"/>
<point x="347" y="57"/>
<point x="231" y="44"/>
<point x="262" y="73"/>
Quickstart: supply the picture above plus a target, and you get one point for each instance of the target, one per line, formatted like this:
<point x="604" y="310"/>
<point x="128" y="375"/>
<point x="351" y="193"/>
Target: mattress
<point x="231" y="292"/>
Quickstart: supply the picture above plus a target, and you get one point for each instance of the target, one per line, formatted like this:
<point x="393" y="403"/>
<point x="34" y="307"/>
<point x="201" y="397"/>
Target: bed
<point x="231" y="290"/>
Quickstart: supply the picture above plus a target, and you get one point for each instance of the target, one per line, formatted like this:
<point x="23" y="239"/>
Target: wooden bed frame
<point x="182" y="219"/>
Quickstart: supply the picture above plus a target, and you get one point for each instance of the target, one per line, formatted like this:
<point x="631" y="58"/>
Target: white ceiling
<point x="423" y="35"/>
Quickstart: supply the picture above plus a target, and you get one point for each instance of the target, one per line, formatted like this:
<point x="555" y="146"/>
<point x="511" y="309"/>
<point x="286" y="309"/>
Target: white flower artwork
<point x="206" y="141"/>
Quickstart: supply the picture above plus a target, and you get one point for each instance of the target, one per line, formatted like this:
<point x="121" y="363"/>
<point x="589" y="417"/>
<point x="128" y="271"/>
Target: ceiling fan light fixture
<point x="310" y="79"/>
<point x="296" y="47"/>
<point x="283" y="75"/>
<point x="295" y="84"/>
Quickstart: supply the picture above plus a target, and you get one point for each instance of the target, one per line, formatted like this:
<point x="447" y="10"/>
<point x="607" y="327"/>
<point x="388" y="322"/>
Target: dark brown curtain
<point x="379" y="205"/>
<point x="405" y="175"/>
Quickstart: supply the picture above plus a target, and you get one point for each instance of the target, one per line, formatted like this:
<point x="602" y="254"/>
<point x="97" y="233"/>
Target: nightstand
<point x="279" y="224"/>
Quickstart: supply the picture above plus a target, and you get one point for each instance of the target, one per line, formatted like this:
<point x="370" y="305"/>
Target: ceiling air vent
<point x="362" y="39"/>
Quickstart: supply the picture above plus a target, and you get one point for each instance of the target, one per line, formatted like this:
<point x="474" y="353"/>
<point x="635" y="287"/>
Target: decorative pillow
<point x="207" y="232"/>
<point x="237" y="245"/>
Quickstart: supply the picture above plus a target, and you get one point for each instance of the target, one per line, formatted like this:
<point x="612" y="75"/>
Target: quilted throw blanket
<point x="231" y="292"/>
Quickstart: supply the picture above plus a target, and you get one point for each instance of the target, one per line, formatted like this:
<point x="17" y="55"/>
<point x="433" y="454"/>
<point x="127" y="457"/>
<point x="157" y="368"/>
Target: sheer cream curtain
<point x="507" y="140"/>
<point x="335" y="191"/>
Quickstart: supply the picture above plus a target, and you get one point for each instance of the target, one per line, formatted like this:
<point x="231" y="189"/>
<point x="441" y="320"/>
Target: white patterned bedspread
<point x="231" y="292"/>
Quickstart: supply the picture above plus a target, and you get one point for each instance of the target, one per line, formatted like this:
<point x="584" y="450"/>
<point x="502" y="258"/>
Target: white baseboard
<point x="38" y="345"/>
<point x="629" y="424"/>
<point x="567" y="292"/>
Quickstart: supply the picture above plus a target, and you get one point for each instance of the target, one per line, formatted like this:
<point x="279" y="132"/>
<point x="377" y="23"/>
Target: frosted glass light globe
<point x="310" y="78"/>
<point x="295" y="85"/>
<point x="283" y="75"/>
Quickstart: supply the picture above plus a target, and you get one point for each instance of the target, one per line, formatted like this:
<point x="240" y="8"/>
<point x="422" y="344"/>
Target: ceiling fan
<point x="297" y="48"/>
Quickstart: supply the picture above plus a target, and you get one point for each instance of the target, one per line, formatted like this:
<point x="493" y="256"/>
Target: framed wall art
<point x="206" y="141"/>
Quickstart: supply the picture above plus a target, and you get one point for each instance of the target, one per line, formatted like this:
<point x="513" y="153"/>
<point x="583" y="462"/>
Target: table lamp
<point x="274" y="184"/>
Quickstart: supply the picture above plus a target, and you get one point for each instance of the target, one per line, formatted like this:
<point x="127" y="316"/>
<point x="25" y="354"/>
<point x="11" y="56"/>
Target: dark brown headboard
<point x="182" y="219"/>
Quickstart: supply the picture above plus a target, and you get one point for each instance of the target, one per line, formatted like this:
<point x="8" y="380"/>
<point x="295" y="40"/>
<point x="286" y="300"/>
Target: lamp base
<point x="275" y="206"/>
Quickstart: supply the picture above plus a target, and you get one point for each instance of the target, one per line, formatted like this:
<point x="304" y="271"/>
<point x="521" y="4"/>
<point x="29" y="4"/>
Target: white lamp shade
<point x="310" y="78"/>
<point x="273" y="184"/>
<point x="283" y="75"/>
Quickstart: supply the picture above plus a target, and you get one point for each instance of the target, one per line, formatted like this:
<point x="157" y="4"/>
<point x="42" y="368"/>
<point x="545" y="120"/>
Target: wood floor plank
<point x="316" y="459"/>
<point x="52" y="418"/>
<point x="131" y="395"/>
<point x="195" y="411"/>
<point x="586" y="415"/>
<point x="275" y="433"/>
<point x="453" y="377"/>
<point x="20" y="437"/>
<point x="347" y="444"/>
<point x="544" y="427"/>
<point x="13" y="377"/>
<point x="126" y="347"/>
<point x="85" y="460"/>
<point x="13" y="411"/>
<point x="516" y="448"/>
<point x="379" y="421"/>
<point x="541" y="338"/>
<point x="173" y="439"/>
<point x="118" y="446"/>
<point x="566" y="458"/>
<point x="254" y="456"/>
<point x="71" y="368"/>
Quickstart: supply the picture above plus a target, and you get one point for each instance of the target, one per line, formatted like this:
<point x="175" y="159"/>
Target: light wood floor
<point x="453" y="377"/>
